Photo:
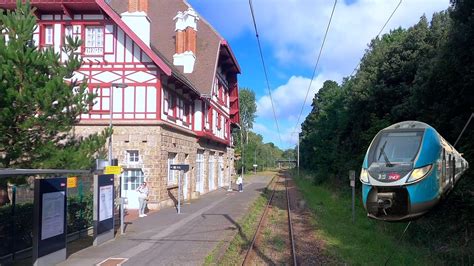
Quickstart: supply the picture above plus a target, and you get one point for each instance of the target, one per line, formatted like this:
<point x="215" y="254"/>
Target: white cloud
<point x="296" y="28"/>
<point x="289" y="98"/>
<point x="288" y="136"/>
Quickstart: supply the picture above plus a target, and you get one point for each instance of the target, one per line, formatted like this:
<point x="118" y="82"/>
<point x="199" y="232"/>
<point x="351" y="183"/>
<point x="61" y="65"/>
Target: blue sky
<point x="291" y="32"/>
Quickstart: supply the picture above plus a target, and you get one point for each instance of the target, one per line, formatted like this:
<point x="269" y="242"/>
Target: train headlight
<point x="364" y="176"/>
<point x="419" y="173"/>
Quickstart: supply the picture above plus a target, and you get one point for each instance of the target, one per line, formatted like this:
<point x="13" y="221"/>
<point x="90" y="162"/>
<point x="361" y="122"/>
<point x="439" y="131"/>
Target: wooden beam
<point x="67" y="11"/>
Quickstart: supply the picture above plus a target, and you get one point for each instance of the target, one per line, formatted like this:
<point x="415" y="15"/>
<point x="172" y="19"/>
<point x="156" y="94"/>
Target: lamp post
<point x="111" y="105"/>
<point x="122" y="199"/>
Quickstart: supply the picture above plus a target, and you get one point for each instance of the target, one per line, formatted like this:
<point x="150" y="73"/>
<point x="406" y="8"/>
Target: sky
<point x="291" y="33"/>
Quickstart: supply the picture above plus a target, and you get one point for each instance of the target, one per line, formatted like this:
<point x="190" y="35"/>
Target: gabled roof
<point x="88" y="6"/>
<point x="116" y="18"/>
<point x="162" y="38"/>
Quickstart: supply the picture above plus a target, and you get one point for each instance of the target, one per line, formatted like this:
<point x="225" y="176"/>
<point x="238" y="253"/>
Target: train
<point x="408" y="168"/>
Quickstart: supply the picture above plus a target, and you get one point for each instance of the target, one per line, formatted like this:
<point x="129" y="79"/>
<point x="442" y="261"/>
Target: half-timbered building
<point x="165" y="80"/>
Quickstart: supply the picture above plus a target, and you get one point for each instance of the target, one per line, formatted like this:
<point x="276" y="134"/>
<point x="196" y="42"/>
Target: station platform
<point x="165" y="237"/>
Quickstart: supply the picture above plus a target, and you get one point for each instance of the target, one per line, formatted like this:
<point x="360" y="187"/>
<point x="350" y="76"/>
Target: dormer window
<point x="94" y="44"/>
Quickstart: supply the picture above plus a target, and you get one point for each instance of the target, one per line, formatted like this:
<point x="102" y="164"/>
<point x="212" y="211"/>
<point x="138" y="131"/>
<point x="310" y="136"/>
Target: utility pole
<point x="298" y="156"/>
<point x="242" y="147"/>
<point x="255" y="160"/>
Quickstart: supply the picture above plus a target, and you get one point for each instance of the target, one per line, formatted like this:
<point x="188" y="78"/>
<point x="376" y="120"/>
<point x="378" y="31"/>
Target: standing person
<point x="142" y="199"/>
<point x="239" y="182"/>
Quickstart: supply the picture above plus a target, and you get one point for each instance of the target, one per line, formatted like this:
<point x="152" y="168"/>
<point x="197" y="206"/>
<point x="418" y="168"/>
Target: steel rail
<point x="249" y="250"/>
<point x="290" y="224"/>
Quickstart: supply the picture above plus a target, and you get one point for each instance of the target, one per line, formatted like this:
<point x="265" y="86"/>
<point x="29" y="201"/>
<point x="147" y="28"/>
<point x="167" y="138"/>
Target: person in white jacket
<point x="142" y="199"/>
<point x="240" y="183"/>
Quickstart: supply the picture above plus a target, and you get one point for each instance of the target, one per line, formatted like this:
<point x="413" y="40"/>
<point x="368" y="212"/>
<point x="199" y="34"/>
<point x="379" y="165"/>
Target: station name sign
<point x="180" y="167"/>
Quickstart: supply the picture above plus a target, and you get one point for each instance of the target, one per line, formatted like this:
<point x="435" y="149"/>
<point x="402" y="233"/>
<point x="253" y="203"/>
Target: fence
<point x="16" y="223"/>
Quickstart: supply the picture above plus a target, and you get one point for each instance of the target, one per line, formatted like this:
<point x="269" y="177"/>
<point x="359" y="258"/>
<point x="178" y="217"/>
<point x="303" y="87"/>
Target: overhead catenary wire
<point x="380" y="32"/>
<point x="264" y="69"/>
<point x="358" y="64"/>
<point x="315" y="67"/>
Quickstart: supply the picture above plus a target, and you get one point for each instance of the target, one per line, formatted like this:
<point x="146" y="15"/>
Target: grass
<point x="278" y="243"/>
<point x="243" y="239"/>
<point x="366" y="242"/>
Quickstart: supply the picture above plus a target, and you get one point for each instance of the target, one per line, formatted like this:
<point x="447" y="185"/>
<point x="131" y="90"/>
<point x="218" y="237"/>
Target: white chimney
<point x="186" y="29"/>
<point x="136" y="19"/>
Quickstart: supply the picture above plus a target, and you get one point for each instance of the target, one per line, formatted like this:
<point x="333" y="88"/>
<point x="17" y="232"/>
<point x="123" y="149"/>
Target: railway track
<point x="273" y="243"/>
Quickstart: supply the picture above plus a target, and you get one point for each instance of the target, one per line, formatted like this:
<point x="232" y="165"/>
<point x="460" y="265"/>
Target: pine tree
<point x="40" y="101"/>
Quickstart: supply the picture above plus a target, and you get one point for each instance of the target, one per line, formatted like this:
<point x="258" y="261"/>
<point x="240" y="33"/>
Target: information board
<point x="49" y="217"/>
<point x="105" y="203"/>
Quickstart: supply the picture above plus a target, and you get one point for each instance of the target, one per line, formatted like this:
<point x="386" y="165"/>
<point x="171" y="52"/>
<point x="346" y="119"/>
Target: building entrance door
<point x="131" y="180"/>
<point x="185" y="185"/>
<point x="220" y="172"/>
<point x="200" y="172"/>
<point x="211" y="172"/>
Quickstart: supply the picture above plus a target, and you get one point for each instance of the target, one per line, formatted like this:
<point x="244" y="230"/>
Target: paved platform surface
<point x="168" y="238"/>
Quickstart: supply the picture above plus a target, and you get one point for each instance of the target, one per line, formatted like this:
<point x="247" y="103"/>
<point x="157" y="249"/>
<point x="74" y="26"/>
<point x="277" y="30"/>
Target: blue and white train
<point x="407" y="169"/>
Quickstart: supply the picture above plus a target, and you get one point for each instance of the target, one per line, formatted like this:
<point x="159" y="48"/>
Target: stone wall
<point x="155" y="143"/>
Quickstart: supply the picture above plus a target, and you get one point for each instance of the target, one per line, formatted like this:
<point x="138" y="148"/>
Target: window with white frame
<point x="212" y="169"/>
<point x="219" y="121"/>
<point x="166" y="102"/>
<point x="132" y="179"/>
<point x="180" y="109"/>
<point x="133" y="156"/>
<point x="225" y="128"/>
<point x="187" y="108"/>
<point x="171" y="173"/>
<point x="199" y="166"/>
<point x="215" y="120"/>
<point x="48" y="35"/>
<point x="94" y="44"/>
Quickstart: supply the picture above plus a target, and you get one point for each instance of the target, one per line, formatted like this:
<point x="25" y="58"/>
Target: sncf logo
<point x="393" y="176"/>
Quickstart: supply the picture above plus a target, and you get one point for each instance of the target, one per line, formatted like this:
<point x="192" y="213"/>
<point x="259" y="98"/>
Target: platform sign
<point x="72" y="182"/>
<point x="113" y="170"/>
<point x="352" y="178"/>
<point x="184" y="168"/>
<point x="49" y="221"/>
<point x="180" y="167"/>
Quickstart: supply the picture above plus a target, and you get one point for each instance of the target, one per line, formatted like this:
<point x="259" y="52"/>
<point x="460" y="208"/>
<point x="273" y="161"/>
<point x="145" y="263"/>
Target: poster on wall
<point x="106" y="202"/>
<point x="52" y="220"/>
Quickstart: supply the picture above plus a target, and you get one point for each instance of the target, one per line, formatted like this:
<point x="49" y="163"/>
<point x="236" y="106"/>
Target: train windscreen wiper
<point x="385" y="157"/>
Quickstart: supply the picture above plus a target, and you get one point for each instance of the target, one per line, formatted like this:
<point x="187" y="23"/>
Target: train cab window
<point x="397" y="147"/>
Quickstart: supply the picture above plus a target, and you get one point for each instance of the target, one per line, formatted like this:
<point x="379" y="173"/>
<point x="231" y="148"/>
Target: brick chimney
<point x="137" y="19"/>
<point x="186" y="33"/>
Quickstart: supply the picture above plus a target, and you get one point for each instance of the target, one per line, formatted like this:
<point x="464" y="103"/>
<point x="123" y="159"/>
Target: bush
<point x="16" y="231"/>
<point x="79" y="214"/>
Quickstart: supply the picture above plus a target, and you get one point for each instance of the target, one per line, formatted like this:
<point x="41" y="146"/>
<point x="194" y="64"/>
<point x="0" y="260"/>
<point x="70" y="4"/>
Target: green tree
<point x="40" y="102"/>
<point x="248" y="108"/>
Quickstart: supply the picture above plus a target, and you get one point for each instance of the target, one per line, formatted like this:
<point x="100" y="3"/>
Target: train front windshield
<point x="397" y="147"/>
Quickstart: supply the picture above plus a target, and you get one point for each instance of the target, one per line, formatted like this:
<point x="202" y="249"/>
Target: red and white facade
<point x="159" y="115"/>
